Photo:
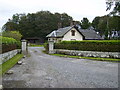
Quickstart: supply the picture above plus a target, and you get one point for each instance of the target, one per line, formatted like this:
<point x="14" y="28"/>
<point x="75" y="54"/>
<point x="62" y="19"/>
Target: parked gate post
<point x="51" y="47"/>
<point x="24" y="47"/>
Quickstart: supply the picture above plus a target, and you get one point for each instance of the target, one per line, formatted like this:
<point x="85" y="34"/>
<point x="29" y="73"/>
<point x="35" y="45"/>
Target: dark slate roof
<point x="60" y="32"/>
<point x="90" y="34"/>
<point x="87" y="34"/>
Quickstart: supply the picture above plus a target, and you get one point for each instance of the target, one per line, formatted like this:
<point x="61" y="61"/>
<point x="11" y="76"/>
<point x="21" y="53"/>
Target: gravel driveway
<point x="46" y="71"/>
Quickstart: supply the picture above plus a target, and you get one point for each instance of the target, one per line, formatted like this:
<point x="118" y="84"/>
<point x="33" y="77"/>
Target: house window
<point x="73" y="33"/>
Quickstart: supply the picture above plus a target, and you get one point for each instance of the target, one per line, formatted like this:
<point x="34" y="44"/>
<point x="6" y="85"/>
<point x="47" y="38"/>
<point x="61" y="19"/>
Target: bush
<point x="90" y="45"/>
<point x="18" y="44"/>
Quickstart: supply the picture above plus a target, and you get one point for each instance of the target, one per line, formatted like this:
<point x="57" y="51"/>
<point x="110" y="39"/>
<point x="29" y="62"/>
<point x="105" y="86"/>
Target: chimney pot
<point x="59" y="25"/>
<point x="73" y="23"/>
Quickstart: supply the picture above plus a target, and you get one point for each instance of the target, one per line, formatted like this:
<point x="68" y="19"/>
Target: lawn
<point x="92" y="58"/>
<point x="10" y="63"/>
<point x="35" y="45"/>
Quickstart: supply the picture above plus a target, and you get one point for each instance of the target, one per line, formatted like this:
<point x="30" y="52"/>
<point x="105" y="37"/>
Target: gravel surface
<point x="46" y="71"/>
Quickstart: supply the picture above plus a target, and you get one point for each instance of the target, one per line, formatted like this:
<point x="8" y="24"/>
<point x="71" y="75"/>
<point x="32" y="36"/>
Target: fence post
<point x="51" y="47"/>
<point x="24" y="47"/>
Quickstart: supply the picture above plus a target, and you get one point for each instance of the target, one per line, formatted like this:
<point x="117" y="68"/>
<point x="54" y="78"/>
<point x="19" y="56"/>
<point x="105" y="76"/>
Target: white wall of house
<point x="55" y="39"/>
<point x="68" y="36"/>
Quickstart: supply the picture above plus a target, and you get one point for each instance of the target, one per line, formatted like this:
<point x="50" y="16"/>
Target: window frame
<point x="72" y="32"/>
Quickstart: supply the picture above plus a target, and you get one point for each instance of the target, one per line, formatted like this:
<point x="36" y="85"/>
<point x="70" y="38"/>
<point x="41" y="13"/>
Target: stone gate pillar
<point x="51" y="47"/>
<point x="24" y="47"/>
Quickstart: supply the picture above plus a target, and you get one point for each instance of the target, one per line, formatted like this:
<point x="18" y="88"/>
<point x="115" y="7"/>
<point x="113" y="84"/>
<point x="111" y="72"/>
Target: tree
<point x="116" y="9"/>
<point x="65" y="19"/>
<point x="37" y="24"/>
<point x="102" y="25"/>
<point x="85" y="23"/>
<point x="16" y="18"/>
<point x="10" y="26"/>
<point x="106" y="24"/>
<point x="114" y="23"/>
<point x="13" y="24"/>
<point x="95" y="23"/>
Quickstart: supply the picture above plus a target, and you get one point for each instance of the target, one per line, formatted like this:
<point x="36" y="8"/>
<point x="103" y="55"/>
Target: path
<point x="46" y="71"/>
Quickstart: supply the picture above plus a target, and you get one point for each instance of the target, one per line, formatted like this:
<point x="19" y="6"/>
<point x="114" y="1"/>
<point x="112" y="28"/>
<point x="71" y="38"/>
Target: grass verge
<point x="10" y="63"/>
<point x="92" y="58"/>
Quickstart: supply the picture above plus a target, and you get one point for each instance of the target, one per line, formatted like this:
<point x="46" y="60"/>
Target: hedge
<point x="90" y="45"/>
<point x="46" y="46"/>
<point x="9" y="44"/>
<point x="6" y="48"/>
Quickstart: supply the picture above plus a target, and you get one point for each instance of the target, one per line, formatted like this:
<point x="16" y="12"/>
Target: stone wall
<point x="88" y="53"/>
<point x="6" y="56"/>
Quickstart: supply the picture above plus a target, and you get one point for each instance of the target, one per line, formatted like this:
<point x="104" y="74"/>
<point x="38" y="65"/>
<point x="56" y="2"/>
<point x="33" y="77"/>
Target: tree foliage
<point x="116" y="9"/>
<point x="106" y="24"/>
<point x="43" y="22"/>
<point x="85" y="24"/>
<point x="37" y="24"/>
<point x="102" y="25"/>
<point x="114" y="23"/>
<point x="95" y="23"/>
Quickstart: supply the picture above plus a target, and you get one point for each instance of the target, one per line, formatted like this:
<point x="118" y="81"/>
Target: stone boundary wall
<point x="88" y="53"/>
<point x="6" y="56"/>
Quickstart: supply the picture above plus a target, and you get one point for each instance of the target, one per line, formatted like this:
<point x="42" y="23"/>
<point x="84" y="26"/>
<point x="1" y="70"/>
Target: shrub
<point x="90" y="45"/>
<point x="18" y="44"/>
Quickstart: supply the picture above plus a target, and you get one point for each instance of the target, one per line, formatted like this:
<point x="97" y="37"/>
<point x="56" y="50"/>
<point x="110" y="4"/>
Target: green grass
<point x="44" y="51"/>
<point x="34" y="45"/>
<point x="93" y="58"/>
<point x="10" y="63"/>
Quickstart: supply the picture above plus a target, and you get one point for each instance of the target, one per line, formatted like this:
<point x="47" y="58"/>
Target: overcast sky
<point x="75" y="8"/>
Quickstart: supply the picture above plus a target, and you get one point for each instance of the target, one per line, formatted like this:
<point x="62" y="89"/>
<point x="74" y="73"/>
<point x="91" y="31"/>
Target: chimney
<point x="59" y="25"/>
<point x="72" y="23"/>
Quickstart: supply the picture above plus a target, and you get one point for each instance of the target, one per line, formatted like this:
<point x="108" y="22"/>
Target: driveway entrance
<point x="40" y="70"/>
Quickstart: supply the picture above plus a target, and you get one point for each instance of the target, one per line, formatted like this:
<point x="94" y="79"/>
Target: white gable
<point x="68" y="36"/>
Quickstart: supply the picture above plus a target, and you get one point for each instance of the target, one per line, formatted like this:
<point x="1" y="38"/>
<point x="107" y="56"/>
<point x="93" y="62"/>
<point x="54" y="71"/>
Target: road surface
<point x="40" y="70"/>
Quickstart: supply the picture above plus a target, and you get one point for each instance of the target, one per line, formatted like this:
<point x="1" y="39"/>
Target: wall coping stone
<point x="7" y="55"/>
<point x="88" y="53"/>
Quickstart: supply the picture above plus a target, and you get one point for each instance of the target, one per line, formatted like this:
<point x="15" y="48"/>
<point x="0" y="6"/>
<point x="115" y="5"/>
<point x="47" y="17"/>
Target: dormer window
<point x="73" y="33"/>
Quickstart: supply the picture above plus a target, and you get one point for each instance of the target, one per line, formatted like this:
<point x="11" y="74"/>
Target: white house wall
<point x="68" y="36"/>
<point x="55" y="39"/>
